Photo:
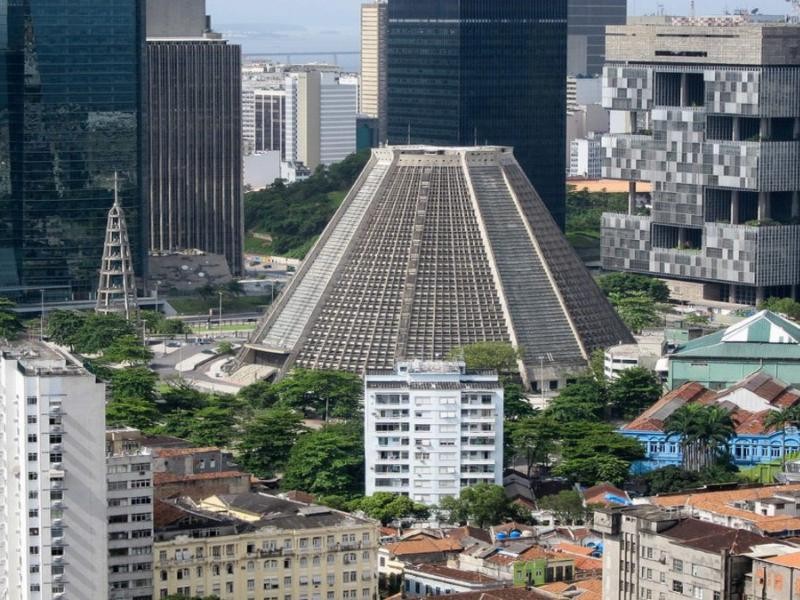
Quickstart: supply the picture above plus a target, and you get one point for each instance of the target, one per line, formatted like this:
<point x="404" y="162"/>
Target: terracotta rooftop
<point x="456" y="574"/>
<point x="172" y="452"/>
<point x="508" y="593"/>
<point x="772" y="391"/>
<point x="164" y="478"/>
<point x="597" y="494"/>
<point x="721" y="503"/>
<point x="538" y="552"/>
<point x="709" y="537"/>
<point x="573" y="549"/>
<point x="423" y="545"/>
<point x="587" y="564"/>
<point x="460" y="533"/>
<point x="787" y="560"/>
<point x="165" y="513"/>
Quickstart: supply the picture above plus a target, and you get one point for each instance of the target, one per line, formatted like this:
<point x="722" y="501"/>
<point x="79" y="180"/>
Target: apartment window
<point x="32" y="476"/>
<point x="35" y="587"/>
<point x="698" y="593"/>
<point x="33" y="513"/>
<point x="33" y="495"/>
<point x="32" y="438"/>
<point x="677" y="565"/>
<point x="56" y="457"/>
<point x="34" y="569"/>
<point x="33" y="531"/>
<point x="55" y="438"/>
<point x="117" y="485"/>
<point x="140" y="483"/>
<point x="139" y="517"/>
<point x="141" y="500"/>
<point x="677" y="586"/>
<point x="32" y="400"/>
<point x="33" y="550"/>
<point x="33" y="456"/>
<point x="31" y="419"/>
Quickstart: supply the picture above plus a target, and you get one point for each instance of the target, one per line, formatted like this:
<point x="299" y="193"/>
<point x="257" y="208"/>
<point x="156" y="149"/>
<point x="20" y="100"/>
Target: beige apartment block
<point x="372" y="101"/>
<point x="260" y="547"/>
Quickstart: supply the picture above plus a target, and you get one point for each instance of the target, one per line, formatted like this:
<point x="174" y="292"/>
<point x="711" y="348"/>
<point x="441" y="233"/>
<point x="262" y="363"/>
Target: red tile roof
<point x="423" y="545"/>
<point x="773" y="391"/>
<point x="457" y="574"/>
<point x="597" y="494"/>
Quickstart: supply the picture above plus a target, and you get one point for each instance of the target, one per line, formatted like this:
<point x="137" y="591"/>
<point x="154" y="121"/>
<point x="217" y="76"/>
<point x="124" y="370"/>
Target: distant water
<point x="283" y="40"/>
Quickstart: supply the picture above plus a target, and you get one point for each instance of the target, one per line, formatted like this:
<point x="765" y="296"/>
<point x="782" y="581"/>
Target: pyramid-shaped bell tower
<point x="116" y="292"/>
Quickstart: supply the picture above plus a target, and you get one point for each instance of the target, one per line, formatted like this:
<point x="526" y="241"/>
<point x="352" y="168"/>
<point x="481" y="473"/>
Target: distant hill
<point x="294" y="215"/>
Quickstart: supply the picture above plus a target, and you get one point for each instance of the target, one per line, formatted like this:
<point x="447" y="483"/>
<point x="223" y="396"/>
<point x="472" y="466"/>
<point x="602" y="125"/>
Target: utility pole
<point x="220" y="311"/>
<point x="41" y="317"/>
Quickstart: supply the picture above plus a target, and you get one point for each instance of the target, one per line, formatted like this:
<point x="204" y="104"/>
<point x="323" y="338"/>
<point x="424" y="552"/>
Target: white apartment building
<point x="53" y="523"/>
<point x="586" y="158"/>
<point x="130" y="516"/>
<point x="248" y="121"/>
<point x="320" y="117"/>
<point x="432" y="428"/>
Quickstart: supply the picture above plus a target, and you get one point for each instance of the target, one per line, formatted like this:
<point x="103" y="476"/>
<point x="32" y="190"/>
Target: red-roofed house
<point x="748" y="402"/>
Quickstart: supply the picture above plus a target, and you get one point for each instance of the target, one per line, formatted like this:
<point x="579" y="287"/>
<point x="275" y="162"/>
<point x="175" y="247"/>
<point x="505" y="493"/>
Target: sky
<point x="287" y="26"/>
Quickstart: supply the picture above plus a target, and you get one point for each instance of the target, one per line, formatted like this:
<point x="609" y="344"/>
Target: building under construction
<point x="432" y="249"/>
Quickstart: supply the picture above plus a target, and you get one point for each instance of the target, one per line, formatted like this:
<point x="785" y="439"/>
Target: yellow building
<point x="260" y="547"/>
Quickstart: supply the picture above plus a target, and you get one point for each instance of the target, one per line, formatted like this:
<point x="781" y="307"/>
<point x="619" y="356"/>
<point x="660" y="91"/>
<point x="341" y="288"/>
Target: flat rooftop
<point x="37" y="358"/>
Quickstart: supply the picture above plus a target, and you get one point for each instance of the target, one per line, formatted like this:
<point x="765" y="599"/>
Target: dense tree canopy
<point x="10" y="325"/>
<point x="87" y="332"/>
<point x="293" y="215"/>
<point x="317" y="391"/>
<point x="636" y="309"/>
<point x="583" y="400"/>
<point x="483" y="505"/>
<point x="497" y="356"/>
<point x="267" y="440"/>
<point x="704" y="433"/>
<point x="634" y="390"/>
<point x="784" y="306"/>
<point x="625" y="284"/>
<point x="328" y="462"/>
<point x="386" y="507"/>
<point x="566" y="506"/>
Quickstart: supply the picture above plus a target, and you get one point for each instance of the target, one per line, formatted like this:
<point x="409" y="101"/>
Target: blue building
<point x="70" y="118"/>
<point x="748" y="401"/>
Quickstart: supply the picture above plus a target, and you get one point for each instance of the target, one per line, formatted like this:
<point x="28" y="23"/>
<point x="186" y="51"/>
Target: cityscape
<point x="396" y="299"/>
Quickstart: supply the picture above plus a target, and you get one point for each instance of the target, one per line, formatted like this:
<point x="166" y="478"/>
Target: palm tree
<point x="780" y="420"/>
<point x="704" y="432"/>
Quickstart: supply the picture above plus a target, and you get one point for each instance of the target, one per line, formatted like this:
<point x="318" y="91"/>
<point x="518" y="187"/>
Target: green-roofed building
<point x="765" y="342"/>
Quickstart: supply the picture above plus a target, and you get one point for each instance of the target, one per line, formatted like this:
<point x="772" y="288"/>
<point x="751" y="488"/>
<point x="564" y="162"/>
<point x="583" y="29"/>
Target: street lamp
<point x="220" y="310"/>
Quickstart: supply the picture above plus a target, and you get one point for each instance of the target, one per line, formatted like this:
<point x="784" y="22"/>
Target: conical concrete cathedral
<point x="432" y="249"/>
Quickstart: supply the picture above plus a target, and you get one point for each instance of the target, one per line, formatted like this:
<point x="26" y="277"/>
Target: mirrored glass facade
<point x="483" y="71"/>
<point x="70" y="116"/>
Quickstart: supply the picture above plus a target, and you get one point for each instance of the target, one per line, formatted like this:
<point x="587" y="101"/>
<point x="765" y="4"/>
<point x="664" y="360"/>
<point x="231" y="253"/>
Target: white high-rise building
<point x="432" y="428"/>
<point x="53" y="523"/>
<point x="320" y="118"/>
<point x="130" y="515"/>
<point x="586" y="158"/>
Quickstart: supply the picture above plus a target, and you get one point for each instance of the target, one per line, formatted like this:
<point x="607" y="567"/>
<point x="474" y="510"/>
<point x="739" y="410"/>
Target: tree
<point x="704" y="433"/>
<point x="482" y="505"/>
<point x="566" y="506"/>
<point x="133" y="383"/>
<point x="10" y="325"/>
<point x="159" y="324"/>
<point x="597" y="469"/>
<point x="780" y="420"/>
<point x="233" y="288"/>
<point x="63" y="326"/>
<point x="532" y="440"/>
<point x="267" y="440"/>
<point x="496" y="356"/>
<point x="784" y="306"/>
<point x="386" y="507"/>
<point x="139" y="413"/>
<point x="212" y="426"/>
<point x="336" y="394"/>
<point x="675" y="479"/>
<point x="328" y="462"/>
<point x="515" y="406"/>
<point x="99" y="331"/>
<point x="127" y="349"/>
<point x="634" y="390"/>
<point x="636" y="309"/>
<point x="224" y="348"/>
<point x="258" y="395"/>
<point x="625" y="284"/>
<point x="582" y="400"/>
<point x="182" y="395"/>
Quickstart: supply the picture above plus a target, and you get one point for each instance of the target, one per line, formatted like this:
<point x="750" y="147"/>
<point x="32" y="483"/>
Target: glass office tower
<point x="462" y="72"/>
<point x="70" y="117"/>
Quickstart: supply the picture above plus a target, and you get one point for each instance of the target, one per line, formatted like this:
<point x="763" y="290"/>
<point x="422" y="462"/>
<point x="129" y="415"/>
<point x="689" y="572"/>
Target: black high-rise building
<point x="462" y="72"/>
<point x="70" y="117"/>
<point x="195" y="142"/>
<point x="587" y="33"/>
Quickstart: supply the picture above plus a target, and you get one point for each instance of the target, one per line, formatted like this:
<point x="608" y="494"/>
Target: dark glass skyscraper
<point x="70" y="117"/>
<point x="587" y="32"/>
<point x="485" y="71"/>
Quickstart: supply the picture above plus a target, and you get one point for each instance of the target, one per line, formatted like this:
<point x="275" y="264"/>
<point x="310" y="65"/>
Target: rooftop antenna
<point x="691" y="8"/>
